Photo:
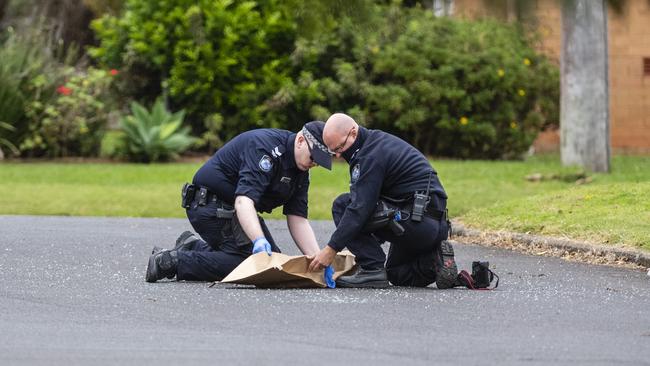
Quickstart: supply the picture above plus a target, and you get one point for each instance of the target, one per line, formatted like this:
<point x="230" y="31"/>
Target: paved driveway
<point x="73" y="292"/>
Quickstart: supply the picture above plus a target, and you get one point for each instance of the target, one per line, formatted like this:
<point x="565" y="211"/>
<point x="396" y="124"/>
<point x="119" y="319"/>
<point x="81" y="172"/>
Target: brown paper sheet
<point x="284" y="271"/>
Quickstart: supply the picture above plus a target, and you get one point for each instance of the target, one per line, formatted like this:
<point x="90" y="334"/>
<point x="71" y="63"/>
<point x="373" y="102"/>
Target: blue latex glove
<point x="261" y="245"/>
<point x="329" y="279"/>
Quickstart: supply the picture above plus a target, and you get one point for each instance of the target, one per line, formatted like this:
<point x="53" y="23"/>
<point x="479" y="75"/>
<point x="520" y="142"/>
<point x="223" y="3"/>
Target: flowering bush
<point x="464" y="89"/>
<point x="30" y="68"/>
<point x="452" y="87"/>
<point x="73" y="123"/>
<point x="468" y="89"/>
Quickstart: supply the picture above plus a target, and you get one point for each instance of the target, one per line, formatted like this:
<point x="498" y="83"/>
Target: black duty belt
<point x="436" y="214"/>
<point x="436" y="207"/>
<point x="202" y="195"/>
<point x="431" y="210"/>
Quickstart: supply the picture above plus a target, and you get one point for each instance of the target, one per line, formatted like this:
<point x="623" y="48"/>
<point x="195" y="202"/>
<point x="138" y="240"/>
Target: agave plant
<point x="155" y="135"/>
<point x="6" y="143"/>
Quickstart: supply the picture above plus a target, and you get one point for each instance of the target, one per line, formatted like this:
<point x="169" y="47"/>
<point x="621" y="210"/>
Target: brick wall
<point x="629" y="43"/>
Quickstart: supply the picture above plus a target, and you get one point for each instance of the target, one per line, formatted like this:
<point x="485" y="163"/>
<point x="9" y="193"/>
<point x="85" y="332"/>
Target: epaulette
<point x="278" y="151"/>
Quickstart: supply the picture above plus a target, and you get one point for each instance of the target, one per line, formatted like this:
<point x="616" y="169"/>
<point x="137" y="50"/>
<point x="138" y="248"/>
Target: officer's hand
<point x="323" y="259"/>
<point x="261" y="245"/>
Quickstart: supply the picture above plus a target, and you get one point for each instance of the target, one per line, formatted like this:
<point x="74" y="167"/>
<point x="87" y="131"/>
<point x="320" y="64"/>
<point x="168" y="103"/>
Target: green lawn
<point x="614" y="208"/>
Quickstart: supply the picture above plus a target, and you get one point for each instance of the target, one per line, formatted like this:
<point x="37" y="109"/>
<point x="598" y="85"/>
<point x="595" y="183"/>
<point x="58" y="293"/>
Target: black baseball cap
<point x="313" y="131"/>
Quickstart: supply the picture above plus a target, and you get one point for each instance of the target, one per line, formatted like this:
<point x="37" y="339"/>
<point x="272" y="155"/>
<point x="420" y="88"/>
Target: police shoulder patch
<point x="265" y="163"/>
<point x="356" y="171"/>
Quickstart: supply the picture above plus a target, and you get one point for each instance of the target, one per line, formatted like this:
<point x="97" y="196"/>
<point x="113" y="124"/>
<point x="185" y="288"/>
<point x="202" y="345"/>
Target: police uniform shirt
<point x="258" y="164"/>
<point x="380" y="164"/>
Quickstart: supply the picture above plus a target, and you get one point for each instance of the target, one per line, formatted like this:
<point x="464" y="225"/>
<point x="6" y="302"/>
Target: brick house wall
<point x="629" y="64"/>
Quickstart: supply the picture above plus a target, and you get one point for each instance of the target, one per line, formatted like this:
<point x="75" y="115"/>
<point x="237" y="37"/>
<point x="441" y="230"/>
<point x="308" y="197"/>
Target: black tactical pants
<point x="224" y="245"/>
<point x="412" y="257"/>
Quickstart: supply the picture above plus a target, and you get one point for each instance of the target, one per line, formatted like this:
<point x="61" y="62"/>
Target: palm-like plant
<point x="6" y="143"/>
<point x="155" y="135"/>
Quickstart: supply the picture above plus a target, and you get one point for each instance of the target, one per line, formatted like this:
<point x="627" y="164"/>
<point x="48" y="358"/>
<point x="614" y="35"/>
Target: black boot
<point x="365" y="278"/>
<point x="446" y="269"/>
<point x="162" y="264"/>
<point x="185" y="241"/>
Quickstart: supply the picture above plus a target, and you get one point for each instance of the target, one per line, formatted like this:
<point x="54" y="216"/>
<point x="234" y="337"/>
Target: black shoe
<point x="446" y="269"/>
<point x="186" y="241"/>
<point x="162" y="264"/>
<point x="365" y="278"/>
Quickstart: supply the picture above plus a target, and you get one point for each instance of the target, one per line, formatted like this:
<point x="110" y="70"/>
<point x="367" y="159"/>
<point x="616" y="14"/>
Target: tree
<point x="584" y="96"/>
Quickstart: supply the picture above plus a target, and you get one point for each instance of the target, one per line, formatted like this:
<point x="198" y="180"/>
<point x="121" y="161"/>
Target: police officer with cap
<point x="395" y="196"/>
<point x="256" y="171"/>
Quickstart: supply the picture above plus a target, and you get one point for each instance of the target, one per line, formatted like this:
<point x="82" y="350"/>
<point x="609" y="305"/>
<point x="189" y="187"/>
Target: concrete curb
<point x="630" y="255"/>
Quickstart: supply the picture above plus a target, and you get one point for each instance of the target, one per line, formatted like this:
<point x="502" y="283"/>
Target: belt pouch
<point x="187" y="195"/>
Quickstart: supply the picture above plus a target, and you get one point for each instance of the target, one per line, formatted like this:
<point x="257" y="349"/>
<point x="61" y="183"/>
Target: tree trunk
<point x="511" y="11"/>
<point x="584" y="113"/>
<point x="3" y="5"/>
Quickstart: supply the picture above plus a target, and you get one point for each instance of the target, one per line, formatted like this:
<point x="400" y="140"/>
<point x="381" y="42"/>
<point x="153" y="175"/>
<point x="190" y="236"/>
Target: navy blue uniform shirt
<point x="260" y="165"/>
<point x="381" y="165"/>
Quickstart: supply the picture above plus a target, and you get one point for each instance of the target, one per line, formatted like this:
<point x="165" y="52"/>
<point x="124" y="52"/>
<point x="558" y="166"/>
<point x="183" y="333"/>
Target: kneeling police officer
<point x="395" y="196"/>
<point x="256" y="171"/>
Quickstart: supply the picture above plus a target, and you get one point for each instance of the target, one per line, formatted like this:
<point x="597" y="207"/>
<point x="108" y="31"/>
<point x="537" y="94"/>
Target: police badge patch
<point x="356" y="171"/>
<point x="265" y="163"/>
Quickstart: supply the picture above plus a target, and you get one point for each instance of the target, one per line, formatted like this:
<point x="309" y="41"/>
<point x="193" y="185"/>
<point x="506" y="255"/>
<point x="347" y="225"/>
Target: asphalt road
<point x="73" y="292"/>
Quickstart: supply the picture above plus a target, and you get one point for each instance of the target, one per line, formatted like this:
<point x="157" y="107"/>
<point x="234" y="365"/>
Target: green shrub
<point x="464" y="89"/>
<point x="113" y="144"/>
<point x="208" y="56"/>
<point x="101" y="7"/>
<point x="29" y="69"/>
<point x="73" y="123"/>
<point x="154" y="136"/>
<point x="451" y="87"/>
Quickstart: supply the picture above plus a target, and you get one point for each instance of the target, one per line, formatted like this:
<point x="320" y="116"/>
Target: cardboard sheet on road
<point x="284" y="271"/>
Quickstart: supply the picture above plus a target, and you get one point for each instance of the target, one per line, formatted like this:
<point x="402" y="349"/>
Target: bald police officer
<point x="395" y="196"/>
<point x="256" y="171"/>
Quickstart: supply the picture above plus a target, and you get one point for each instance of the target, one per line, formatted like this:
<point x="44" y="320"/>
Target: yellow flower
<point x="464" y="120"/>
<point x="526" y="62"/>
<point x="85" y="83"/>
<point x="521" y="92"/>
<point x="501" y="72"/>
<point x="513" y="125"/>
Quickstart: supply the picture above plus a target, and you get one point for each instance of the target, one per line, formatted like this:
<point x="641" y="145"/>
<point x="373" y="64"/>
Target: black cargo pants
<point x="412" y="258"/>
<point x="224" y="245"/>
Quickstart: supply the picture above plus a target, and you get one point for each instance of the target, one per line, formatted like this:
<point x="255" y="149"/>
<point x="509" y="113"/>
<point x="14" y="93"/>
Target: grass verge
<point x="614" y="208"/>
